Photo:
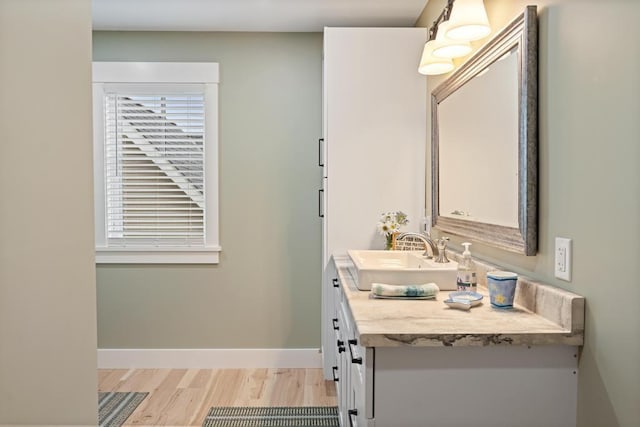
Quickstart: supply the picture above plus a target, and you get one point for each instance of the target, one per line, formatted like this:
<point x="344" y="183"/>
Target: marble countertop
<point x="542" y="315"/>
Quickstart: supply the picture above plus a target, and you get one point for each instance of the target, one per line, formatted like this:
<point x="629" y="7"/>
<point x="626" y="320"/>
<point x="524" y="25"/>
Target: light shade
<point x="445" y="47"/>
<point x="468" y="21"/>
<point x="431" y="65"/>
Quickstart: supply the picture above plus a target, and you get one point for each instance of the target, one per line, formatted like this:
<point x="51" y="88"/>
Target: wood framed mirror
<point x="484" y="142"/>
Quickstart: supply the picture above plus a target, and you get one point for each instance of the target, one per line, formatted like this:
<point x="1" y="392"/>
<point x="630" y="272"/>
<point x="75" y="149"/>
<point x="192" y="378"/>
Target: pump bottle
<point x="467" y="271"/>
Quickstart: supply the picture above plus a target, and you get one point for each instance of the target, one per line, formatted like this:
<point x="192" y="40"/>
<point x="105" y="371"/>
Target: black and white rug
<point x="277" y="416"/>
<point x="115" y="407"/>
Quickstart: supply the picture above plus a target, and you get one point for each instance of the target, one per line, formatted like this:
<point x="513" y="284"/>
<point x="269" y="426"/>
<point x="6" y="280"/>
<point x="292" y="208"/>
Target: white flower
<point x="390" y="222"/>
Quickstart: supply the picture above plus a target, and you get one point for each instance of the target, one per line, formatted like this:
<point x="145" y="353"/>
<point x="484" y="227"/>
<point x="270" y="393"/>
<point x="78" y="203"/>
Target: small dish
<point x="473" y="298"/>
<point x="459" y="304"/>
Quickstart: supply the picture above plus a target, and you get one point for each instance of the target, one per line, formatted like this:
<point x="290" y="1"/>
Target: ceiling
<point x="252" y="15"/>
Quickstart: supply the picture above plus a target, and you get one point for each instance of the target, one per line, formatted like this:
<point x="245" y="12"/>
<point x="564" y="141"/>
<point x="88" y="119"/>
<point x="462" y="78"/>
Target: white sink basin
<point x="400" y="268"/>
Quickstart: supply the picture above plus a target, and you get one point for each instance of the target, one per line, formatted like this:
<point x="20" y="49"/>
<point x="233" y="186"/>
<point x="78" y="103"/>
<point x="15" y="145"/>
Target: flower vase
<point x="389" y="241"/>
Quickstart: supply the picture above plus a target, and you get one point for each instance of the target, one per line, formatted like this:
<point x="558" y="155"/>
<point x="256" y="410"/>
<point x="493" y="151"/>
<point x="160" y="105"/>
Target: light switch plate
<point x="563" y="259"/>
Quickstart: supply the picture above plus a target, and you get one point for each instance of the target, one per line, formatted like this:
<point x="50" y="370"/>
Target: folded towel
<point x="427" y="290"/>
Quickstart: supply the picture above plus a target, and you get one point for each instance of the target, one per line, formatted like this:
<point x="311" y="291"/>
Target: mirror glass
<point x="481" y="154"/>
<point x="484" y="142"/>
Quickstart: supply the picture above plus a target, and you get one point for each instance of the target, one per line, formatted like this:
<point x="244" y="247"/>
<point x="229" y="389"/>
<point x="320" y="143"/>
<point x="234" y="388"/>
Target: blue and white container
<point x="502" y="288"/>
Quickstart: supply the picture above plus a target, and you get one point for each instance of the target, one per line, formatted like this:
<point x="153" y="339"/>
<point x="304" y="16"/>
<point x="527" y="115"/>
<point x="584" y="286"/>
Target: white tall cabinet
<point x="374" y="147"/>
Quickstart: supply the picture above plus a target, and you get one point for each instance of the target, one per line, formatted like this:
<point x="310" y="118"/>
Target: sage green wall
<point x="47" y="271"/>
<point x="589" y="184"/>
<point x="265" y="293"/>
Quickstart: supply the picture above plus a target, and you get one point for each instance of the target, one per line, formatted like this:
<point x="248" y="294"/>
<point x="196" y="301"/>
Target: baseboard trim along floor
<point x="209" y="358"/>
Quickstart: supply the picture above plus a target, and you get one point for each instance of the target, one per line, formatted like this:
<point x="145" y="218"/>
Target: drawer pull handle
<point x="320" y="204"/>
<point x="336" y="283"/>
<point x="340" y="345"/>
<point x="335" y="324"/>
<point x="354" y="413"/>
<point x="334" y="369"/>
<point x="357" y="360"/>
<point x="320" y="159"/>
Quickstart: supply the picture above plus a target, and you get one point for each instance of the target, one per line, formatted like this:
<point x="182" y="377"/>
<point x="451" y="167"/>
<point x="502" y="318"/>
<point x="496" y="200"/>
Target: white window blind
<point x="154" y="166"/>
<point x="155" y="162"/>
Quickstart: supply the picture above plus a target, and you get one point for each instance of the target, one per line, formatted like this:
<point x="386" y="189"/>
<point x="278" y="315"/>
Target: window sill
<point x="158" y="256"/>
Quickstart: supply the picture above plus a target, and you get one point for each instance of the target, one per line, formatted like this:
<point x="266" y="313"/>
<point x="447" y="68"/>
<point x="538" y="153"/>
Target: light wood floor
<point x="182" y="397"/>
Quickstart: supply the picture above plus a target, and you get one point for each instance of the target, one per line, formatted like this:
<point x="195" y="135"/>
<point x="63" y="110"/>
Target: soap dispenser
<point x="467" y="272"/>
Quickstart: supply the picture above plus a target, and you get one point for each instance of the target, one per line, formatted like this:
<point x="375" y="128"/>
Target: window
<point x="155" y="162"/>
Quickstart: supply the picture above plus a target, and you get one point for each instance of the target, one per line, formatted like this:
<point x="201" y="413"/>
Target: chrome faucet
<point x="428" y="243"/>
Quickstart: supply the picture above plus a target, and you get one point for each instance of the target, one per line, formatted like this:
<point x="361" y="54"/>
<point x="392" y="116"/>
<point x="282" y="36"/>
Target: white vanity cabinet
<point x="398" y="366"/>
<point x="352" y="364"/>
<point x="373" y="145"/>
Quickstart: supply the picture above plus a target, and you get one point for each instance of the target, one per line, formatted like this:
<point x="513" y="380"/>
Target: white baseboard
<point x="209" y="358"/>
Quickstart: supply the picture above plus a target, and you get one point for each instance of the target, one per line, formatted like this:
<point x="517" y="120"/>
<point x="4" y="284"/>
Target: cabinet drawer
<point x="361" y="360"/>
<point x="339" y="348"/>
<point x="338" y="295"/>
<point x="343" y="392"/>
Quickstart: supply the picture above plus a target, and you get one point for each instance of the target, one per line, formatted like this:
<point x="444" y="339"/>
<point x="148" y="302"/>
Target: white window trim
<point x="161" y="73"/>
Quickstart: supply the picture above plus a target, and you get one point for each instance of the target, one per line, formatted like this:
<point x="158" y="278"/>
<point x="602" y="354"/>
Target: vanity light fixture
<point x="467" y="21"/>
<point x="448" y="48"/>
<point x="431" y="64"/>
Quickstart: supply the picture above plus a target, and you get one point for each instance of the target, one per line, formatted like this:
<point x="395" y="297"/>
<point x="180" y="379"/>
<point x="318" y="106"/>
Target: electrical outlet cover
<point x="563" y="259"/>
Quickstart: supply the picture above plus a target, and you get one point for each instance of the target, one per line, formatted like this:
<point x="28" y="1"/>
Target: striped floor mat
<point x="115" y="407"/>
<point x="279" y="416"/>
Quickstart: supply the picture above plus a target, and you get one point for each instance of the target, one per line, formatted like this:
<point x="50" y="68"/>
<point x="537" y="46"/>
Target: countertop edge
<point x="469" y="340"/>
